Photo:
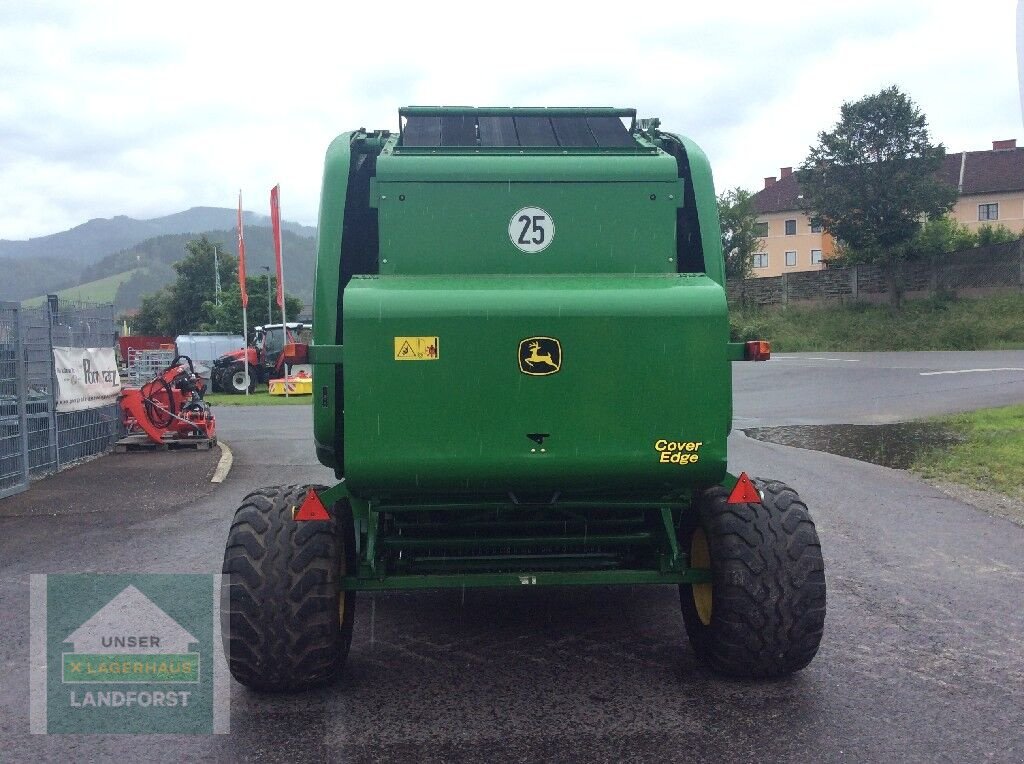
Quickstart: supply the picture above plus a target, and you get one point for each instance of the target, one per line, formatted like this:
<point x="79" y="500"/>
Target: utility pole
<point x="216" y="276"/>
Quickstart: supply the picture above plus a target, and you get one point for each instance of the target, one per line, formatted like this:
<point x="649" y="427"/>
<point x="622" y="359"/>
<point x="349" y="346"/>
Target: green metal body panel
<point x="460" y="466"/>
<point x="471" y="235"/>
<point x="326" y="289"/>
<point x="643" y="360"/>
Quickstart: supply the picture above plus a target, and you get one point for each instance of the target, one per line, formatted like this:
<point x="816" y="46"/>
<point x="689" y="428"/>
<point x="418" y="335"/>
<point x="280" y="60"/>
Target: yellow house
<point x="990" y="183"/>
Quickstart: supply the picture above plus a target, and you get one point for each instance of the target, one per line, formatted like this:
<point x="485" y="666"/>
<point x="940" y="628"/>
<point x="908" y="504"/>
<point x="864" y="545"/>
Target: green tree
<point x="940" y="237"/>
<point x="152" y="316"/>
<point x="998" y="234"/>
<point x="227" y="317"/>
<point x="189" y="303"/>
<point x="872" y="178"/>
<point x="740" y="241"/>
<point x="193" y="294"/>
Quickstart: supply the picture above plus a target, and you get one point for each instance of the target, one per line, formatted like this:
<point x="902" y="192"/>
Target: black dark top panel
<point x="498" y="131"/>
<point x="610" y="132"/>
<point x="422" y="131"/>
<point x="511" y="131"/>
<point x="535" y="131"/>
<point x="573" y="131"/>
<point x="458" y="130"/>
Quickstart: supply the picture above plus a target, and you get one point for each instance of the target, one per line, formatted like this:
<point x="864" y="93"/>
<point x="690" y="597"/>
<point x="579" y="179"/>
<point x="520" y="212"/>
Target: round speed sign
<point x="531" y="229"/>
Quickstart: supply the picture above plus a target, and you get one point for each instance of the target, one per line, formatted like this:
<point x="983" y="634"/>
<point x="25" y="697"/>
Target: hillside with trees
<point x="190" y="304"/>
<point x="104" y="247"/>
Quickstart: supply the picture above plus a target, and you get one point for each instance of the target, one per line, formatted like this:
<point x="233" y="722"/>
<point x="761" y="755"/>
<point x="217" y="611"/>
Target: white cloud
<point x="142" y="109"/>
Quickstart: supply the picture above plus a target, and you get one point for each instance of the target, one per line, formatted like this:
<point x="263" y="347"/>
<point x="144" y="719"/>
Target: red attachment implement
<point x="170" y="406"/>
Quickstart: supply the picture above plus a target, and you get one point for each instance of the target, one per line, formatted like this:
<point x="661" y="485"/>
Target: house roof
<point x="985" y="172"/>
<point x="780" y="196"/>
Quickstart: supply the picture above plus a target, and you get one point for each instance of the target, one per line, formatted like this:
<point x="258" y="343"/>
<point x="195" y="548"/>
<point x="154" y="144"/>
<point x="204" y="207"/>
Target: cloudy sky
<point x="144" y="109"/>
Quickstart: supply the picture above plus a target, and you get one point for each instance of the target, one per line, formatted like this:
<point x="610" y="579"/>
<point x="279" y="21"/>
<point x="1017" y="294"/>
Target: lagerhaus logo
<point x="127" y="654"/>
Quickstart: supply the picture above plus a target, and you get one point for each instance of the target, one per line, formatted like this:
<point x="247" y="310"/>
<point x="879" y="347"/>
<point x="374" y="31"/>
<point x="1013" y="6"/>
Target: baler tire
<point x="767" y="609"/>
<point x="287" y="625"/>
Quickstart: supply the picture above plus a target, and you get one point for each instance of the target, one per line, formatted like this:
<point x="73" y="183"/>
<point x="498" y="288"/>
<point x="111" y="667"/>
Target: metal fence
<point x="13" y="432"/>
<point x="35" y="439"/>
<point x="143" y="365"/>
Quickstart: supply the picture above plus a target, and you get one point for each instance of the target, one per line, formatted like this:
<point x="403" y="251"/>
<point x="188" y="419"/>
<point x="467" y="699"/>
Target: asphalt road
<point x="923" y="656"/>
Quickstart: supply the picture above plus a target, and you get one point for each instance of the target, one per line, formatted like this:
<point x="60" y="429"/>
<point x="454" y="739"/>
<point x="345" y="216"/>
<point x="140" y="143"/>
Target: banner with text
<point x="87" y="378"/>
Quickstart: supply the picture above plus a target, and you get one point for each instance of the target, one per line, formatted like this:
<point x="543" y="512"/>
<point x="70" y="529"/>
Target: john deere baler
<point x="522" y="377"/>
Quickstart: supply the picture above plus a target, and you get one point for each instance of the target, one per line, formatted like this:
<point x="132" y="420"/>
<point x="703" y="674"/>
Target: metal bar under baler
<point x="543" y="578"/>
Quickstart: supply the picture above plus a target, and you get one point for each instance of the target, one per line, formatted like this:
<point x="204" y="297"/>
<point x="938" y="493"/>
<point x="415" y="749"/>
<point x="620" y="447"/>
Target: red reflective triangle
<point x="312" y="509"/>
<point x="744" y="492"/>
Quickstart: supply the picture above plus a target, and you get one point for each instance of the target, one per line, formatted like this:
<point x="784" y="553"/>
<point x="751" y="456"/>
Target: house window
<point x="815" y="256"/>
<point x="790" y="228"/>
<point x="791" y="258"/>
<point x="761" y="260"/>
<point x="988" y="211"/>
<point x="761" y="229"/>
<point x="816" y="228"/>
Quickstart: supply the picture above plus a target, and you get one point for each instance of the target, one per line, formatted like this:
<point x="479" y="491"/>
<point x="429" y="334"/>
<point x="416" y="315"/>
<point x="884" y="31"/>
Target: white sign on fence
<point x="87" y="378"/>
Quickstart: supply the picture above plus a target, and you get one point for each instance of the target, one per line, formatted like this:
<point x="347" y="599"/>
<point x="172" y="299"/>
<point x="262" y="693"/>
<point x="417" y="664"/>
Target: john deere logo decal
<point x="540" y="356"/>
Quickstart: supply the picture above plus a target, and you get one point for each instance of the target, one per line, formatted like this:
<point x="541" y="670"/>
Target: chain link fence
<point x="983" y="270"/>
<point x="35" y="438"/>
<point x="13" y="432"/>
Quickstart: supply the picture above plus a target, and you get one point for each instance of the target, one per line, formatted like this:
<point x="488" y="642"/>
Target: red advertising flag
<point x="275" y="224"/>
<point x="241" y="255"/>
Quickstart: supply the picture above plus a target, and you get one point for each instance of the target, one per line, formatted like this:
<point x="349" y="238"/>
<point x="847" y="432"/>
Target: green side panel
<point x="443" y="228"/>
<point x="326" y="289"/>
<point x="450" y="166"/>
<point x="707" y="208"/>
<point x="643" y="364"/>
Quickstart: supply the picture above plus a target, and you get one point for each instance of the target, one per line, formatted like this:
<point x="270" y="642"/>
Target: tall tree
<point x="872" y="179"/>
<point x="190" y="303"/>
<point x="740" y="241"/>
<point x="227" y="317"/>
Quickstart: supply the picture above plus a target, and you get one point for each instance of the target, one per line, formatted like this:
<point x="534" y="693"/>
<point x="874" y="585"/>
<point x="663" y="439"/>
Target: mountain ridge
<point x="92" y="240"/>
<point x="66" y="259"/>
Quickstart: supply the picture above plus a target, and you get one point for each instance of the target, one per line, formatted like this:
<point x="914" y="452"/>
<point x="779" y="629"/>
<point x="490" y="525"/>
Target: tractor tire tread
<point x="768" y="584"/>
<point x="281" y="627"/>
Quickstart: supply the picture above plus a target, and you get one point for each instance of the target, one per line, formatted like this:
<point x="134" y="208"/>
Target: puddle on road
<point x="891" y="445"/>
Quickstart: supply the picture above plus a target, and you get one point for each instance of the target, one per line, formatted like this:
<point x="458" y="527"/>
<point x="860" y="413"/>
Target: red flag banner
<point x="241" y="255"/>
<point x="275" y="223"/>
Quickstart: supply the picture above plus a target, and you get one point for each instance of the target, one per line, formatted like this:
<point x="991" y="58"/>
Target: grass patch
<point x="102" y="290"/>
<point x="991" y="456"/>
<point x="259" y="398"/>
<point x="938" y="323"/>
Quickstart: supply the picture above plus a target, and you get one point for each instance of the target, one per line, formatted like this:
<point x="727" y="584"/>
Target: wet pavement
<point x="873" y="388"/>
<point x="922" y="660"/>
<point x="895" y="445"/>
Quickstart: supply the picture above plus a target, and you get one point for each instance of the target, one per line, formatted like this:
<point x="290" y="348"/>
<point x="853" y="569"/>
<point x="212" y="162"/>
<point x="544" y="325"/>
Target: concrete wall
<point x="999" y="267"/>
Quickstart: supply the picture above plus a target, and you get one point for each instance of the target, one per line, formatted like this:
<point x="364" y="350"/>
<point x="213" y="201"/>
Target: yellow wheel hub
<point x="700" y="557"/>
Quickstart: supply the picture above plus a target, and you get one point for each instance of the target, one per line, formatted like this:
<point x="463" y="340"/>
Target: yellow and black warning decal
<point x="417" y="349"/>
<point x="681" y="452"/>
<point x="540" y="356"/>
